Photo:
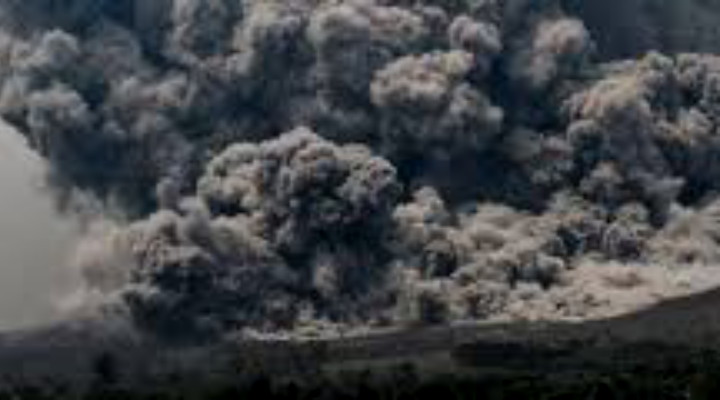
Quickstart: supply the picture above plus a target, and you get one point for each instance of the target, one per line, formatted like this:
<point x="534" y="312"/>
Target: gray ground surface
<point x="668" y="332"/>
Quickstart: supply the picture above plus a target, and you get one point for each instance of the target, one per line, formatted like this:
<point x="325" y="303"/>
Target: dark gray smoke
<point x="289" y="164"/>
<point x="625" y="28"/>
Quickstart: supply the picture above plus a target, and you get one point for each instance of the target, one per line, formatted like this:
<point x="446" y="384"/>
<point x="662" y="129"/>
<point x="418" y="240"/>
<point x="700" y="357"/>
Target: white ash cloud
<point x="359" y="162"/>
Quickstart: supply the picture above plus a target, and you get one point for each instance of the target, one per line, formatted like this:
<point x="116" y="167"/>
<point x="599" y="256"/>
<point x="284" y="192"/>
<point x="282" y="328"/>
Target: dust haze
<point x="34" y="242"/>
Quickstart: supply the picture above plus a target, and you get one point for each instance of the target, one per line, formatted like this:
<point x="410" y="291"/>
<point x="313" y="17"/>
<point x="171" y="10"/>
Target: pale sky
<point x="34" y="242"/>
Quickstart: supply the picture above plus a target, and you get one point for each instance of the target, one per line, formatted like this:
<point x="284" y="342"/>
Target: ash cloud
<point x="304" y="164"/>
<point x="626" y="28"/>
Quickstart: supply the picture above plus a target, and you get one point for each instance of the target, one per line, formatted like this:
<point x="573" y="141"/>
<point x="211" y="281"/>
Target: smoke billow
<point x="287" y="164"/>
<point x="624" y="28"/>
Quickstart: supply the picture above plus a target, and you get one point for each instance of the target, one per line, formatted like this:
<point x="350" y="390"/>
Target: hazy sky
<point x="34" y="242"/>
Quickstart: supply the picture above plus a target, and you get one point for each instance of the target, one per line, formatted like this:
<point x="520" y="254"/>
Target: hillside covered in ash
<point x="320" y="165"/>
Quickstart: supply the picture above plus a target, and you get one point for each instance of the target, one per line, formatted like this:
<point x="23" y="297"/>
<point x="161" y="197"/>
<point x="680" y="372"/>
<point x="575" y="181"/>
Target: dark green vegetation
<point x="693" y="377"/>
<point x="666" y="352"/>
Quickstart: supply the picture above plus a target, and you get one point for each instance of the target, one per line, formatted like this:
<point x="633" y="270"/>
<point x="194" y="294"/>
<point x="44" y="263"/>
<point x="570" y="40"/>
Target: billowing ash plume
<point x="624" y="28"/>
<point x="289" y="164"/>
<point x="280" y="227"/>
